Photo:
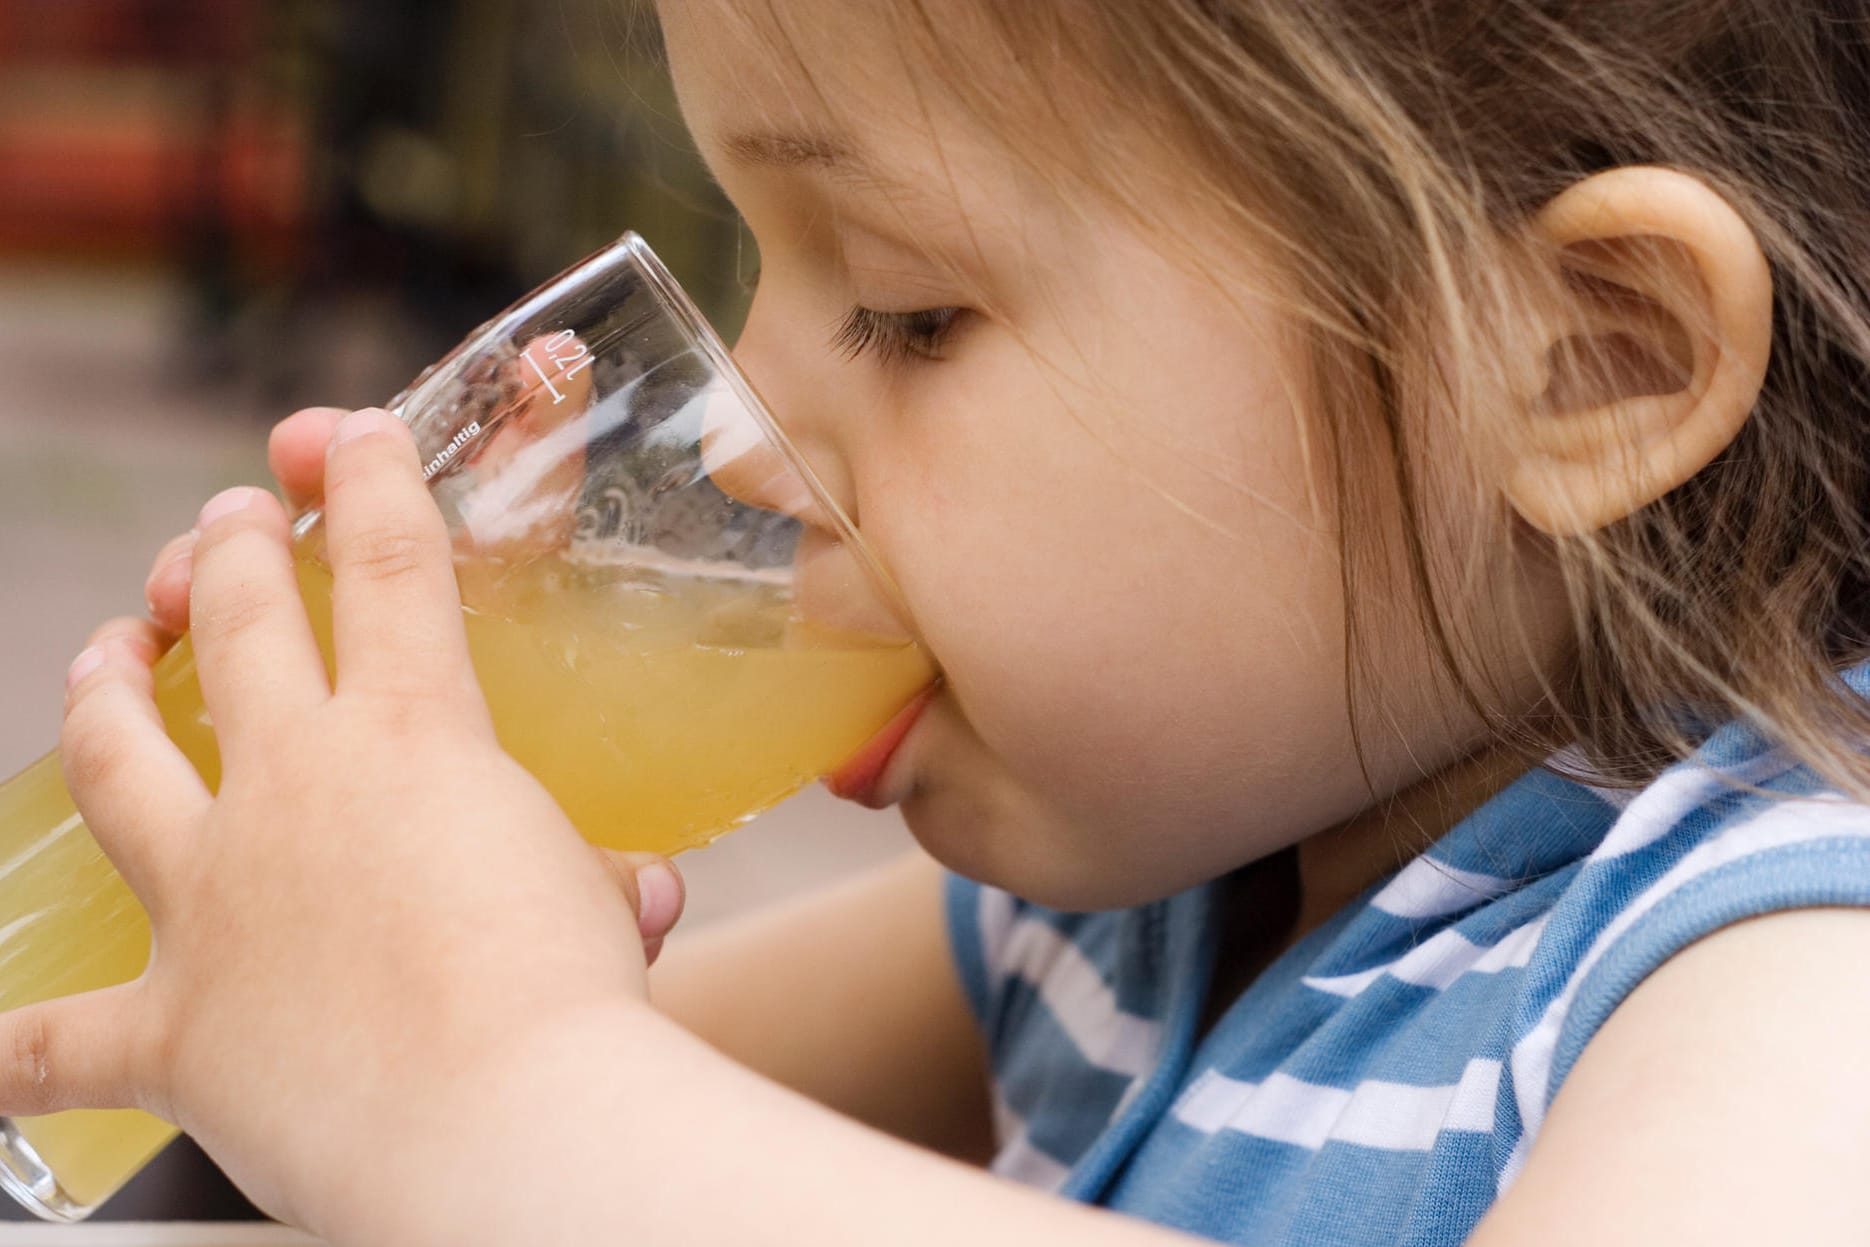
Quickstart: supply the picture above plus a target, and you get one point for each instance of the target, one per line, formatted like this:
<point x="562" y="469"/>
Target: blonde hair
<point x="1382" y="155"/>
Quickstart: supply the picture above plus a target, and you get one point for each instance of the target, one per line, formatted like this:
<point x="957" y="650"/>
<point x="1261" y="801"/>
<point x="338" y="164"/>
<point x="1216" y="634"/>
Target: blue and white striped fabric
<point x="1382" y="1080"/>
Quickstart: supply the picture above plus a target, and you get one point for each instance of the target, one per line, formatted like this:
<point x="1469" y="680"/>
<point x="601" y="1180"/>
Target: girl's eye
<point x="894" y="336"/>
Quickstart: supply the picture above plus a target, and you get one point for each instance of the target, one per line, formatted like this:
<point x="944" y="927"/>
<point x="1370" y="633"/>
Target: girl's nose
<point x="743" y="459"/>
<point x="745" y="463"/>
<point x="832" y="584"/>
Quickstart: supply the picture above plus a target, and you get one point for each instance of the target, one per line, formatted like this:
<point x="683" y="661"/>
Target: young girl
<point x="1291" y="422"/>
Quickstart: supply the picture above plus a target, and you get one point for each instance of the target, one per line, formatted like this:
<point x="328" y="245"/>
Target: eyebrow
<point x="842" y="160"/>
<point x="789" y="150"/>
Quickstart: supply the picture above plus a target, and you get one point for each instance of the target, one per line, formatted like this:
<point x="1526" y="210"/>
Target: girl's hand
<point x="377" y="909"/>
<point x="296" y="453"/>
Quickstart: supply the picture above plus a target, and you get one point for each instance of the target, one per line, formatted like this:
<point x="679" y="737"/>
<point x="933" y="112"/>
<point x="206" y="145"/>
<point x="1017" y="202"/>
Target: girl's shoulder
<point x="1739" y="831"/>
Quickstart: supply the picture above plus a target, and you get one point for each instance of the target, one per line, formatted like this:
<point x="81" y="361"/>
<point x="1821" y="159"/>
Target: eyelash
<point x="894" y="336"/>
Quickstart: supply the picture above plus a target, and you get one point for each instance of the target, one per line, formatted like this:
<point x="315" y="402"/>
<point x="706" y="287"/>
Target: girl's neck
<point x="1337" y="864"/>
<point x="1269" y="905"/>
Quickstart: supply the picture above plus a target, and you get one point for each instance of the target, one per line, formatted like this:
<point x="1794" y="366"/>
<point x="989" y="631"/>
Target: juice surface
<point x="659" y="711"/>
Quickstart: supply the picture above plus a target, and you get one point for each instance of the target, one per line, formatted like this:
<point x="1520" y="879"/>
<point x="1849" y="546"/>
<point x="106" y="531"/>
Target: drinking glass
<point x="674" y="625"/>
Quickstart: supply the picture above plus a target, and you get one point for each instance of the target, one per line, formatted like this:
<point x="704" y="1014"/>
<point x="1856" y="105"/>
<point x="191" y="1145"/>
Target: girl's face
<point x="1082" y="461"/>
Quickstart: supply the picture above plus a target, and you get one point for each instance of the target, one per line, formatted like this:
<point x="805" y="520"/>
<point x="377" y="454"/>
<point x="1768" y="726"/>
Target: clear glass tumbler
<point x="673" y="623"/>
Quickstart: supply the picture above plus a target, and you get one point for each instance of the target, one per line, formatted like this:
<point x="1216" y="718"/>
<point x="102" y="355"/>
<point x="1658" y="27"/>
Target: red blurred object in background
<point x="131" y="126"/>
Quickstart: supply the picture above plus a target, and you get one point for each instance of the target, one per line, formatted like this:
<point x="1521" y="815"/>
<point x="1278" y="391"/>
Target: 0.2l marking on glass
<point x="568" y="356"/>
<point x="569" y="363"/>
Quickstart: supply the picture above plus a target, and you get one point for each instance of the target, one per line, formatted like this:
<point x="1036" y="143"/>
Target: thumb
<point x="73" y="1052"/>
<point x="655" y="891"/>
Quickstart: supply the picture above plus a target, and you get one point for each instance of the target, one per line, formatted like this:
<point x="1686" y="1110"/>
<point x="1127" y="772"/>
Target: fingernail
<point x="178" y="551"/>
<point x="226" y="503"/>
<point x="659" y="898"/>
<point x="87" y="661"/>
<point x="181" y="560"/>
<point x="360" y="423"/>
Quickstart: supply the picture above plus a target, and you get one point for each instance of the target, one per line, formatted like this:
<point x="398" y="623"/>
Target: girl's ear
<point x="1652" y="358"/>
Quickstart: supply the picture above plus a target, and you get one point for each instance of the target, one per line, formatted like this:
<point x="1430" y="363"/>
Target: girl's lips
<point x="856" y="780"/>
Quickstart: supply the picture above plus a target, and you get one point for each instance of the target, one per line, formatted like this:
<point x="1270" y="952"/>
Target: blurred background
<point x="213" y="212"/>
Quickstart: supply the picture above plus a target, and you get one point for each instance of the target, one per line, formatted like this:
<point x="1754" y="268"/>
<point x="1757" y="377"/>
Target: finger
<point x="254" y="650"/>
<point x="84" y="1051"/>
<point x="166" y="589"/>
<point x="396" y="614"/>
<point x="295" y="451"/>
<point x="136" y="791"/>
<point x="143" y="639"/>
<point x="654" y="888"/>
